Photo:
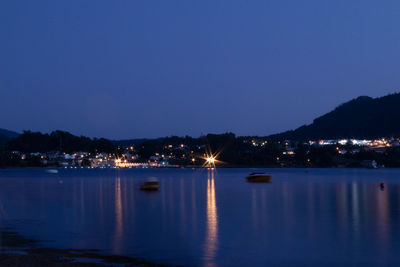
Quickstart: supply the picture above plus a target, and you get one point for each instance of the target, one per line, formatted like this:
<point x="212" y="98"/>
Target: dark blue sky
<point x="125" y="69"/>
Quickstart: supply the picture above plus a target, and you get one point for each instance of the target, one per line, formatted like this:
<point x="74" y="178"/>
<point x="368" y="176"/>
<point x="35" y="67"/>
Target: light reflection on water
<point x="118" y="218"/>
<point x="209" y="217"/>
<point x="211" y="244"/>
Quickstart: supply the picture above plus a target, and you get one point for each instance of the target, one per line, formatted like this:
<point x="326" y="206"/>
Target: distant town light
<point x="211" y="160"/>
<point x="342" y="142"/>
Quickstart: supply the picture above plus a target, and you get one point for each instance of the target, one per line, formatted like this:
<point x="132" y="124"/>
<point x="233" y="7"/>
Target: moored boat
<point x="150" y="184"/>
<point x="258" y="177"/>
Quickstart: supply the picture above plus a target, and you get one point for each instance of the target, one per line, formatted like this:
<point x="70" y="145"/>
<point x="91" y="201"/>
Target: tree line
<point x="58" y="141"/>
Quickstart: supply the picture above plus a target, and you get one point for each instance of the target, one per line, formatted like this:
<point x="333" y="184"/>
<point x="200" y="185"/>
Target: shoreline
<point x="16" y="250"/>
<point x="199" y="167"/>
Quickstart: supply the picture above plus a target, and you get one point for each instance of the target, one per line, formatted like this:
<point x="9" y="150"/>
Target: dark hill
<point x="363" y="117"/>
<point x="5" y="136"/>
<point x="8" y="134"/>
<point x="58" y="141"/>
<point x="132" y="142"/>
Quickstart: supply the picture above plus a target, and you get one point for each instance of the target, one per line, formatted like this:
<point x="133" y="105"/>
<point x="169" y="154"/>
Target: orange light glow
<point x="211" y="160"/>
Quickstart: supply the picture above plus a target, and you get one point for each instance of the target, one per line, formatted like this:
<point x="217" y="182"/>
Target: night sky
<point x="131" y="69"/>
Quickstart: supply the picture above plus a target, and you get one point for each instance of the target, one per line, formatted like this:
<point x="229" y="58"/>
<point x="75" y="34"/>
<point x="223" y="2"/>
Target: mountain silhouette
<point x="362" y="117"/>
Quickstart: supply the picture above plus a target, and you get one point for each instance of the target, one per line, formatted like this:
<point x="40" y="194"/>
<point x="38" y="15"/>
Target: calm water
<point x="211" y="218"/>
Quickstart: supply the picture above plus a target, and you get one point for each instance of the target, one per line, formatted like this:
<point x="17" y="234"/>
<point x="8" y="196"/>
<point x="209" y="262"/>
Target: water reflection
<point x="383" y="219"/>
<point x="211" y="244"/>
<point x="182" y="205"/>
<point x="101" y="206"/>
<point x="259" y="209"/>
<point x="194" y="207"/>
<point x="355" y="207"/>
<point x="342" y="205"/>
<point x="327" y="219"/>
<point x="287" y="205"/>
<point x="118" y="217"/>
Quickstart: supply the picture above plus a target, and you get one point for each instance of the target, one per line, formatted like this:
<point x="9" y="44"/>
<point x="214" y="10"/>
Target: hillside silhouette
<point x="362" y="117"/>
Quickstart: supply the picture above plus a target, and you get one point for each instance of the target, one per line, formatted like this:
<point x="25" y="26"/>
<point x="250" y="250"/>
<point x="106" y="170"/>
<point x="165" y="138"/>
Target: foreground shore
<point x="16" y="250"/>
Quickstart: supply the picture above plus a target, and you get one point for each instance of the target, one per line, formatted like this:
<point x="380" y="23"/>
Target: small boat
<point x="150" y="184"/>
<point x="258" y="177"/>
<point x="52" y="171"/>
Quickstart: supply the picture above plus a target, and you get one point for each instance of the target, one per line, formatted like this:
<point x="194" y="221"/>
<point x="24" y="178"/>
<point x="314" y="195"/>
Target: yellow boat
<point x="258" y="177"/>
<point x="151" y="184"/>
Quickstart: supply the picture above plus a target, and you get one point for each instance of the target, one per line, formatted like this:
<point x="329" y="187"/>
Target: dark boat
<point x="151" y="184"/>
<point x="258" y="177"/>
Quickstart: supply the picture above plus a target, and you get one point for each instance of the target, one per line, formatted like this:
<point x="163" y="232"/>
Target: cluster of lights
<point x="211" y="160"/>
<point x="255" y="143"/>
<point x="288" y="153"/>
<point x="356" y="142"/>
